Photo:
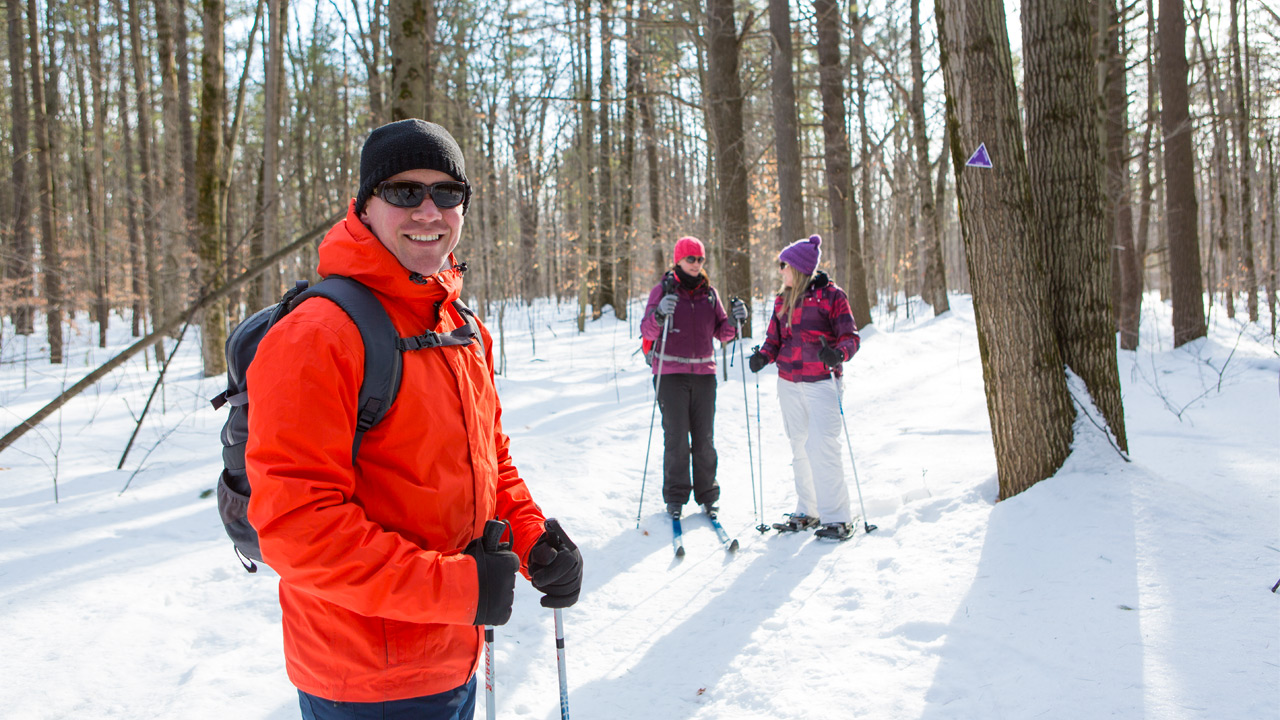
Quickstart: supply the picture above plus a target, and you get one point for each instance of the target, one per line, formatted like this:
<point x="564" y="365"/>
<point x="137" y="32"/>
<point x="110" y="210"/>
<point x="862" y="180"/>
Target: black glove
<point x="830" y="356"/>
<point x="757" y="361"/>
<point x="555" y="567"/>
<point x="496" y="568"/>
<point x="738" y="310"/>
<point x="666" y="306"/>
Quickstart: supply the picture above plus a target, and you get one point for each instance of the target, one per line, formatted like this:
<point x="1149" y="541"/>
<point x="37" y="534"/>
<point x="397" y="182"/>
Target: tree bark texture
<point x="410" y="50"/>
<point x="1181" y="210"/>
<point x="859" y="54"/>
<point x="1116" y="95"/>
<point x="174" y="237"/>
<point x="934" y="288"/>
<point x="1245" y="149"/>
<point x="50" y="249"/>
<point x="606" y="293"/>
<point x="844" y="209"/>
<point x="208" y="180"/>
<point x="1027" y="398"/>
<point x="785" y="124"/>
<point x="723" y="90"/>
<point x="1065" y="164"/>
<point x="150" y="188"/>
<point x="19" y="265"/>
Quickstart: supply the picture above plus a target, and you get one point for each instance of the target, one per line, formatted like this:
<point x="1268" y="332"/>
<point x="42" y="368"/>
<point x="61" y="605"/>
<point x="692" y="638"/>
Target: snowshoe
<point x="835" y="531"/>
<point x="711" y="510"/>
<point x="674" y="510"/>
<point x="796" y="522"/>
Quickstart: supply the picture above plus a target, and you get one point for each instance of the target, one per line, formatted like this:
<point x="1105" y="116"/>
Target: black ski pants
<point x="688" y="405"/>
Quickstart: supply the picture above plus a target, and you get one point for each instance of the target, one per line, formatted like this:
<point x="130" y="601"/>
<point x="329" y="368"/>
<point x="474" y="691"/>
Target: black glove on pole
<point x="757" y="361"/>
<point x="496" y="568"/>
<point x="830" y="356"/>
<point x="555" y="567"/>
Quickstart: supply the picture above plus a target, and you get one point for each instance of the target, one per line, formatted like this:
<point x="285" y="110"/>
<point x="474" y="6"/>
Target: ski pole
<point x="492" y="542"/>
<point x="564" y="683"/>
<point x="657" y="384"/>
<point x="762" y="527"/>
<point x="849" y="443"/>
<point x="746" y="408"/>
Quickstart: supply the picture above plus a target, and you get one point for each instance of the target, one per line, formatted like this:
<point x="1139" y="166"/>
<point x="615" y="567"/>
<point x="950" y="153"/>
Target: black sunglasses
<point x="694" y="258"/>
<point x="782" y="264"/>
<point x="410" y="194"/>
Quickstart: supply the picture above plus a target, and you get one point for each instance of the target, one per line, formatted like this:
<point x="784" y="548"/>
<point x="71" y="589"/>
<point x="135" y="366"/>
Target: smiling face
<point x="420" y="238"/>
<point x="691" y="264"/>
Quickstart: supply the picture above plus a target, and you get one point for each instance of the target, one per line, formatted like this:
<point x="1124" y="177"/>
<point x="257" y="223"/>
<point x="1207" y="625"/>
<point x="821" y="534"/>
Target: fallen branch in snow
<point x="172" y="323"/>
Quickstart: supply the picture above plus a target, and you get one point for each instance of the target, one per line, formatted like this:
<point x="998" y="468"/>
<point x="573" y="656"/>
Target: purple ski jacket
<point x="823" y="313"/>
<point x="699" y="317"/>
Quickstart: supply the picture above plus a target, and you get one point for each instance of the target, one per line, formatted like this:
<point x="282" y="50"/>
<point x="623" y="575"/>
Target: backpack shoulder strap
<point x="382" y="362"/>
<point x="472" y="326"/>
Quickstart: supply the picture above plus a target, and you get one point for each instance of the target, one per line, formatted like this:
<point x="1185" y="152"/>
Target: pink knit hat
<point x="687" y="246"/>
<point x="803" y="255"/>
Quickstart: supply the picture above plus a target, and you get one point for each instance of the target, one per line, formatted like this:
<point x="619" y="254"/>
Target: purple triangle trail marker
<point x="980" y="158"/>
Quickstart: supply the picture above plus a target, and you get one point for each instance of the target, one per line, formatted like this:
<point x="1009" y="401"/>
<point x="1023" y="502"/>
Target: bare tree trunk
<point x="844" y="209"/>
<point x="785" y="125"/>
<point x="136" y="289"/>
<point x="1273" y="272"/>
<point x="266" y="221"/>
<point x="90" y="230"/>
<point x="934" y="288"/>
<point x="209" y="174"/>
<point x="626" y="205"/>
<point x="1116" y="95"/>
<point x="1246" y="166"/>
<point x="1067" y="173"/>
<point x="150" y="189"/>
<point x="174" y="240"/>
<point x="648" y="129"/>
<point x="1179" y="165"/>
<point x="410" y="48"/>
<point x="859" y="52"/>
<point x="19" y="265"/>
<point x="723" y="90"/>
<point x="183" y="55"/>
<point x="101" y="268"/>
<point x="606" y="293"/>
<point x="1027" y="398"/>
<point x="50" y="250"/>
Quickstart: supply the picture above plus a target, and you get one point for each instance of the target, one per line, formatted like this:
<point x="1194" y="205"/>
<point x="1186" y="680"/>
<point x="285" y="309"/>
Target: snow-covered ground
<point x="1122" y="589"/>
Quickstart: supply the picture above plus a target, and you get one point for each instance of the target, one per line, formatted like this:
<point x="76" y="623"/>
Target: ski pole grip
<point x="558" y="535"/>
<point x="492" y="538"/>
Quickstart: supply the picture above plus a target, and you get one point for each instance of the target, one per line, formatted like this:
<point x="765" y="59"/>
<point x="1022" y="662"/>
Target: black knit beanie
<point x="411" y="144"/>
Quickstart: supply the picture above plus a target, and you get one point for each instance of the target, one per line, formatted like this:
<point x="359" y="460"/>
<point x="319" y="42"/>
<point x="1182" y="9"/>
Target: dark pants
<point x="688" y="405"/>
<point x="456" y="704"/>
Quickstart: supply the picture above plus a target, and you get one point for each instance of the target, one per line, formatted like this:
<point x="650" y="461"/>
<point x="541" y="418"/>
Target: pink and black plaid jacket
<point x="823" y="313"/>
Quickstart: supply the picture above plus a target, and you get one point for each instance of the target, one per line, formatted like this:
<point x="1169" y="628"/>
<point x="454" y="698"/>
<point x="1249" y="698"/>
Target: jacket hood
<point x="351" y="249"/>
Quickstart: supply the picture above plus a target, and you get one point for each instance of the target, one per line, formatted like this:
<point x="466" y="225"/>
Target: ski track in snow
<point x="1117" y="589"/>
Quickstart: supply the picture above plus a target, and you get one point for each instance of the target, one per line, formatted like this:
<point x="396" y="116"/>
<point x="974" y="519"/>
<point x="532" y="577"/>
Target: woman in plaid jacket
<point x="811" y="334"/>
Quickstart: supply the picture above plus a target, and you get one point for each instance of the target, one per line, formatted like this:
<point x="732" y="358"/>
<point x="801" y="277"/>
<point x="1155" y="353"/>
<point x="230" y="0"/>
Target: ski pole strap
<point x="687" y="360"/>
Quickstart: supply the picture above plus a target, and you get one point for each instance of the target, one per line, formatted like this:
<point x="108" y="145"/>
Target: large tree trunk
<point x="19" y="264"/>
<point x="1181" y="212"/>
<point x="844" y="210"/>
<point x="859" y="53"/>
<point x="50" y="249"/>
<point x="209" y="174"/>
<point x="1065" y="164"/>
<point x="649" y="131"/>
<point x="1027" y="398"/>
<point x="174" y="237"/>
<point x="101" y="269"/>
<point x="723" y="90"/>
<point x="150" y="188"/>
<point x="934" y="288"/>
<point x="1116" y="96"/>
<point x="607" y="258"/>
<point x="410" y="47"/>
<point x="137" y="292"/>
<point x="1245" y="148"/>
<point x="265" y="233"/>
<point x="1273" y="272"/>
<point x="785" y="124"/>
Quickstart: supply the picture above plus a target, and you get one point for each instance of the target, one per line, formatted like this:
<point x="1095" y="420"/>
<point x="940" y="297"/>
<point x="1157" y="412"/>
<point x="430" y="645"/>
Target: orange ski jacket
<point x="376" y="594"/>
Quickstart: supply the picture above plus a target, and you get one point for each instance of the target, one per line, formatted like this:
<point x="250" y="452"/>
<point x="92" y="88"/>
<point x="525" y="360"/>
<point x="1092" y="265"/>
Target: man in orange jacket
<point x="385" y="585"/>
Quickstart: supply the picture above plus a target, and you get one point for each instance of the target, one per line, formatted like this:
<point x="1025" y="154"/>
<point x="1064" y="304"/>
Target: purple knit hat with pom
<point x="803" y="255"/>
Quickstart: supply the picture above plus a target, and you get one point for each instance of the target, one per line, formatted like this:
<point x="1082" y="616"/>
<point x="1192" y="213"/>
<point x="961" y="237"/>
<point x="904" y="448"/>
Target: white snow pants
<point x="811" y="415"/>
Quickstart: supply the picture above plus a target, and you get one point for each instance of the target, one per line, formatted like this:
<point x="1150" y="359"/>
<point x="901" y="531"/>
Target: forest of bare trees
<point x="155" y="151"/>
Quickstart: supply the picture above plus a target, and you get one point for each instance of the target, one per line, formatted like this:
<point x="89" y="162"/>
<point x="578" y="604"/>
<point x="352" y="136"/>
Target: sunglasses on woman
<point x="694" y="259"/>
<point x="782" y="264"/>
<point x="410" y="194"/>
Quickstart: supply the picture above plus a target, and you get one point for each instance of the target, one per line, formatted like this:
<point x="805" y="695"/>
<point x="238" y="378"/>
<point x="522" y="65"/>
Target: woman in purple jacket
<point x="688" y="307"/>
<point x="811" y="333"/>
